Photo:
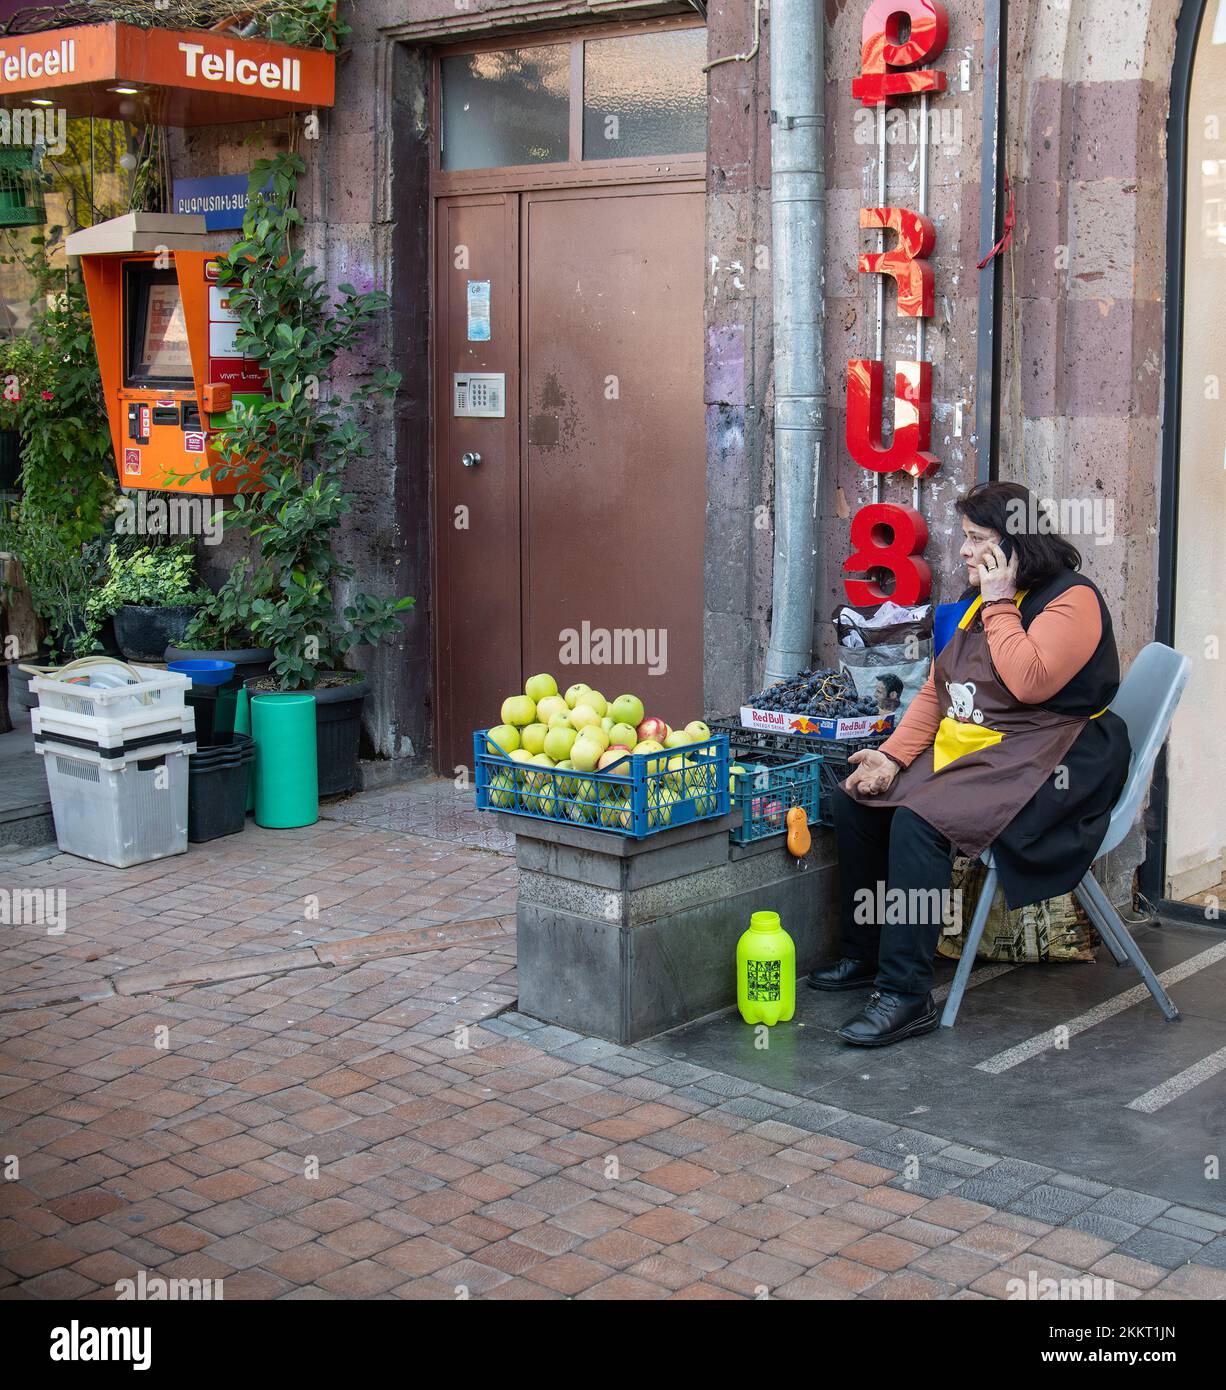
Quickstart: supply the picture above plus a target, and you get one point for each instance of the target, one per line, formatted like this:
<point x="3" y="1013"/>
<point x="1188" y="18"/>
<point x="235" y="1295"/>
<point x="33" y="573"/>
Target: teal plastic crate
<point x="782" y="771"/>
<point x="641" y="795"/>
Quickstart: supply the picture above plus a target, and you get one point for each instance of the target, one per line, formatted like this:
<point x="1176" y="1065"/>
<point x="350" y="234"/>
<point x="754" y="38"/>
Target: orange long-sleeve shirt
<point x="1033" y="663"/>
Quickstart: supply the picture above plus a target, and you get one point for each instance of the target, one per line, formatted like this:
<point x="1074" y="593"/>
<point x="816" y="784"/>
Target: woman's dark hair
<point x="1010" y="509"/>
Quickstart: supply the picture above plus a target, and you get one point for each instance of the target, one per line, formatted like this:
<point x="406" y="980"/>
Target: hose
<point x="83" y="663"/>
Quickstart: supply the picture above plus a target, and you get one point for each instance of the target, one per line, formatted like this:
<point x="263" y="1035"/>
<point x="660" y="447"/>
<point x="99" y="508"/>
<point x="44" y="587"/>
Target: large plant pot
<point x="250" y="663"/>
<point x="19" y="685"/>
<point x="338" y="730"/>
<point x="145" y="633"/>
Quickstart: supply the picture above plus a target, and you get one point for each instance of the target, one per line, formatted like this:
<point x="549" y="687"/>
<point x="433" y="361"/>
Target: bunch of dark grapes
<point x="819" y="694"/>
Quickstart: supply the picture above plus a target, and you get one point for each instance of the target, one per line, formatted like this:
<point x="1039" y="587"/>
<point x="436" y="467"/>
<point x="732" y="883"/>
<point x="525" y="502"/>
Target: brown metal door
<point x="614" y="501"/>
<point x="477" y="507"/>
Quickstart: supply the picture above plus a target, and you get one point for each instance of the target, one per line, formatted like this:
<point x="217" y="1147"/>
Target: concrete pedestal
<point x="623" y="939"/>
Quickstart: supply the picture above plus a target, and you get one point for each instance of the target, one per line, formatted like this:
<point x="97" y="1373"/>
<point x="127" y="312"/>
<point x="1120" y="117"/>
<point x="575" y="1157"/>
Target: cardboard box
<point x="802" y="725"/>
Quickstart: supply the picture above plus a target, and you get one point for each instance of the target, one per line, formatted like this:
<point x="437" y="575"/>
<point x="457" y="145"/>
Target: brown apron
<point x="991" y="753"/>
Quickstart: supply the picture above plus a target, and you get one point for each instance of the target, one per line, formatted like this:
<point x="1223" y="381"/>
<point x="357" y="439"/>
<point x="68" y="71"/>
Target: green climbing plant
<point x="307" y="433"/>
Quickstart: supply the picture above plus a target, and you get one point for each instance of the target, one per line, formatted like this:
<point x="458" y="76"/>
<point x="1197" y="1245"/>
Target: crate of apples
<point x="579" y="732"/>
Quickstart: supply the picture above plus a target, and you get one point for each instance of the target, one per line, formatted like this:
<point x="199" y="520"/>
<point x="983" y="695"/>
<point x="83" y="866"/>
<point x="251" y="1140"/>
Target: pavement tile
<point x="1123" y="1204"/>
<point x="1195" y="1281"/>
<point x="884" y="1252"/>
<point x="989" y="1239"/>
<point x="1159" y="1249"/>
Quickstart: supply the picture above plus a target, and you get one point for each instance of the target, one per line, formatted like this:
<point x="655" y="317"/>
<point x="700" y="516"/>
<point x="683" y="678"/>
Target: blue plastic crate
<point x="772" y="783"/>
<point x="642" y="795"/>
<point x="795" y="771"/>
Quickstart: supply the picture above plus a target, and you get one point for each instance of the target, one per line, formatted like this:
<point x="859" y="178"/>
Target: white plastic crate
<point x="145" y="725"/>
<point x="155" y="689"/>
<point x="121" y="812"/>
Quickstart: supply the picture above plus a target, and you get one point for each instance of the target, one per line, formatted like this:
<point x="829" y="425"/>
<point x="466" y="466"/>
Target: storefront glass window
<point x="507" y="107"/>
<point x="68" y="174"/>
<point x="1196" y="765"/>
<point x="645" y="94"/>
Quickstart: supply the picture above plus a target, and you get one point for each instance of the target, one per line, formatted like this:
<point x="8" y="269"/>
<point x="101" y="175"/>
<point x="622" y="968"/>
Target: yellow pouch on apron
<point x="955" y="738"/>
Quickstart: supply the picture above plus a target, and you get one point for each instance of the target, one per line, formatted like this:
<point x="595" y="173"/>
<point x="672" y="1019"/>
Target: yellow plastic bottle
<point x="766" y="971"/>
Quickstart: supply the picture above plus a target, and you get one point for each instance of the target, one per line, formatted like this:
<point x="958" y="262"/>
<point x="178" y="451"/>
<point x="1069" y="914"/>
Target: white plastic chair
<point x="1146" y="702"/>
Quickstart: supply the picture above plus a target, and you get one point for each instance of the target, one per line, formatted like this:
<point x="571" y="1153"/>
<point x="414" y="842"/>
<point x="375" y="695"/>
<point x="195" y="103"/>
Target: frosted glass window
<point x="507" y="107"/>
<point x="645" y="94"/>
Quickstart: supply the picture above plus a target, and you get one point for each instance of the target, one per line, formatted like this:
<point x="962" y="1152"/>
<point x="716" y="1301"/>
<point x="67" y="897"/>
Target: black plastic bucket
<point x="218" y="780"/>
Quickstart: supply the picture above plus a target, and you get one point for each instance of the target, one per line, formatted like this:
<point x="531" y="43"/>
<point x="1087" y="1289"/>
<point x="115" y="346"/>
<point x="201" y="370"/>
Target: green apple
<point x="533" y="737"/>
<point x="595" y="734"/>
<point x="611" y="757"/>
<point x="649" y="745"/>
<point x="558" y="743"/>
<point x="607" y="723"/>
<point x="678" y="739"/>
<point x="627" y="709"/>
<point x="521" y="755"/>
<point x="698" y="731"/>
<point x="519" y="710"/>
<point x="502" y="739"/>
<point x="502" y="788"/>
<point x="597" y="702"/>
<point x="584" y="716"/>
<point x="549" y="706"/>
<point x="575" y="693"/>
<point x="538" y="687"/>
<point x="734" y="772"/>
<point x="585" y="754"/>
<point x="662" y="799"/>
<point x="623" y="733"/>
<point x="615" y="812"/>
<point x="561" y="720"/>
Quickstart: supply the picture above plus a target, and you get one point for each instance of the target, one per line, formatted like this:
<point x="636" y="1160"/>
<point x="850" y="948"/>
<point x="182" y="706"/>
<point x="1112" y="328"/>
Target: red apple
<point x="652" y="728"/>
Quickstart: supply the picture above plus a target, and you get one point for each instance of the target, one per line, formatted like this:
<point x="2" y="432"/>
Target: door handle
<point x="470" y="460"/>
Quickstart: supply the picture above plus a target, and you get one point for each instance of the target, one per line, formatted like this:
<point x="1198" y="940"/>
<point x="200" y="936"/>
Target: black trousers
<point x="884" y="848"/>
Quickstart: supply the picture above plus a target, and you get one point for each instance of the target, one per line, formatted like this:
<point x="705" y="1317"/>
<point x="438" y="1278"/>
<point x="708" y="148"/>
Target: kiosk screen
<point x="158" y="353"/>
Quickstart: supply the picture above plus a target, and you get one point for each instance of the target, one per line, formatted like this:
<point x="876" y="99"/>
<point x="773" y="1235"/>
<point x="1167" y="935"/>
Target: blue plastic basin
<point x="203" y="672"/>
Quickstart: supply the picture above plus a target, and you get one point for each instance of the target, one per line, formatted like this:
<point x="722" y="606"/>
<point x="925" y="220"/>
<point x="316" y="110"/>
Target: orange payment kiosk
<point x="165" y="338"/>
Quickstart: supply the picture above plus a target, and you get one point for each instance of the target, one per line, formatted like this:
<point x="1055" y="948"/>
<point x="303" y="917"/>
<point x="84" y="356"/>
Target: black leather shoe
<point x="845" y="973"/>
<point x="887" y="1018"/>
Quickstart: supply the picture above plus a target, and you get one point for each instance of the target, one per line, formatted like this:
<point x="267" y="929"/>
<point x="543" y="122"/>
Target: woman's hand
<point x="874" y="772"/>
<point x="997" y="576"/>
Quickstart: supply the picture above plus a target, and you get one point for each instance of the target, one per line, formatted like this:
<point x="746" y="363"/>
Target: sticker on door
<point x="478" y="311"/>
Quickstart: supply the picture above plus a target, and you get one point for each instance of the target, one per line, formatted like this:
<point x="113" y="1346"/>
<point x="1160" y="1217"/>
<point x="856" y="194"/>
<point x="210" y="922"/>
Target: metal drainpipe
<point x="798" y="242"/>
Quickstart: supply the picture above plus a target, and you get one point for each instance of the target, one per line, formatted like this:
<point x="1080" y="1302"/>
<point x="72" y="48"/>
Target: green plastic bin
<point x="286" y="760"/>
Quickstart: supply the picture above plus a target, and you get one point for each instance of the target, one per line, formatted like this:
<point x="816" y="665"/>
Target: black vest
<point x="1094" y="686"/>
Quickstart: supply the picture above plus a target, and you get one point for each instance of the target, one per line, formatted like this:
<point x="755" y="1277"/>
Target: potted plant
<point x="305" y="437"/>
<point x="62" y="578"/>
<point x="52" y="395"/>
<point x="153" y="593"/>
<point x="223" y="627"/>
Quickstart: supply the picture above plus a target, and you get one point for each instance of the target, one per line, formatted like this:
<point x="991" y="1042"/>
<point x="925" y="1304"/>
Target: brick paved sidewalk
<point x="390" y="1127"/>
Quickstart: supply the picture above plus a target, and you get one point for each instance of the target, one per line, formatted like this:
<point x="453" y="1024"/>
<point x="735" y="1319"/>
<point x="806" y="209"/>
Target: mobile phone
<point x="1007" y="547"/>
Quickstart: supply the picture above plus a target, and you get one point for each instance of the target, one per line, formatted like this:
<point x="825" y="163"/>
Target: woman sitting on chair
<point x="1009" y="744"/>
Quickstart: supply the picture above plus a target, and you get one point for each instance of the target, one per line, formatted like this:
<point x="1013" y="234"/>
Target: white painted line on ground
<point x="1170" y="1090"/>
<point x="1042" y="1042"/>
<point x="979" y="976"/>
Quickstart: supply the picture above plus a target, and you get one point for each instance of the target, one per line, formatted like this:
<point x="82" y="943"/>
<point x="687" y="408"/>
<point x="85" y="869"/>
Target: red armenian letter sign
<point x="907" y="263"/>
<point x="884" y="52"/>
<point x="885" y="536"/>
<point x="907" y="451"/>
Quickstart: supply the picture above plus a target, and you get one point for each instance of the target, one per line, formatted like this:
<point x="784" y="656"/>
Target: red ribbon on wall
<point x="1007" y="234"/>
